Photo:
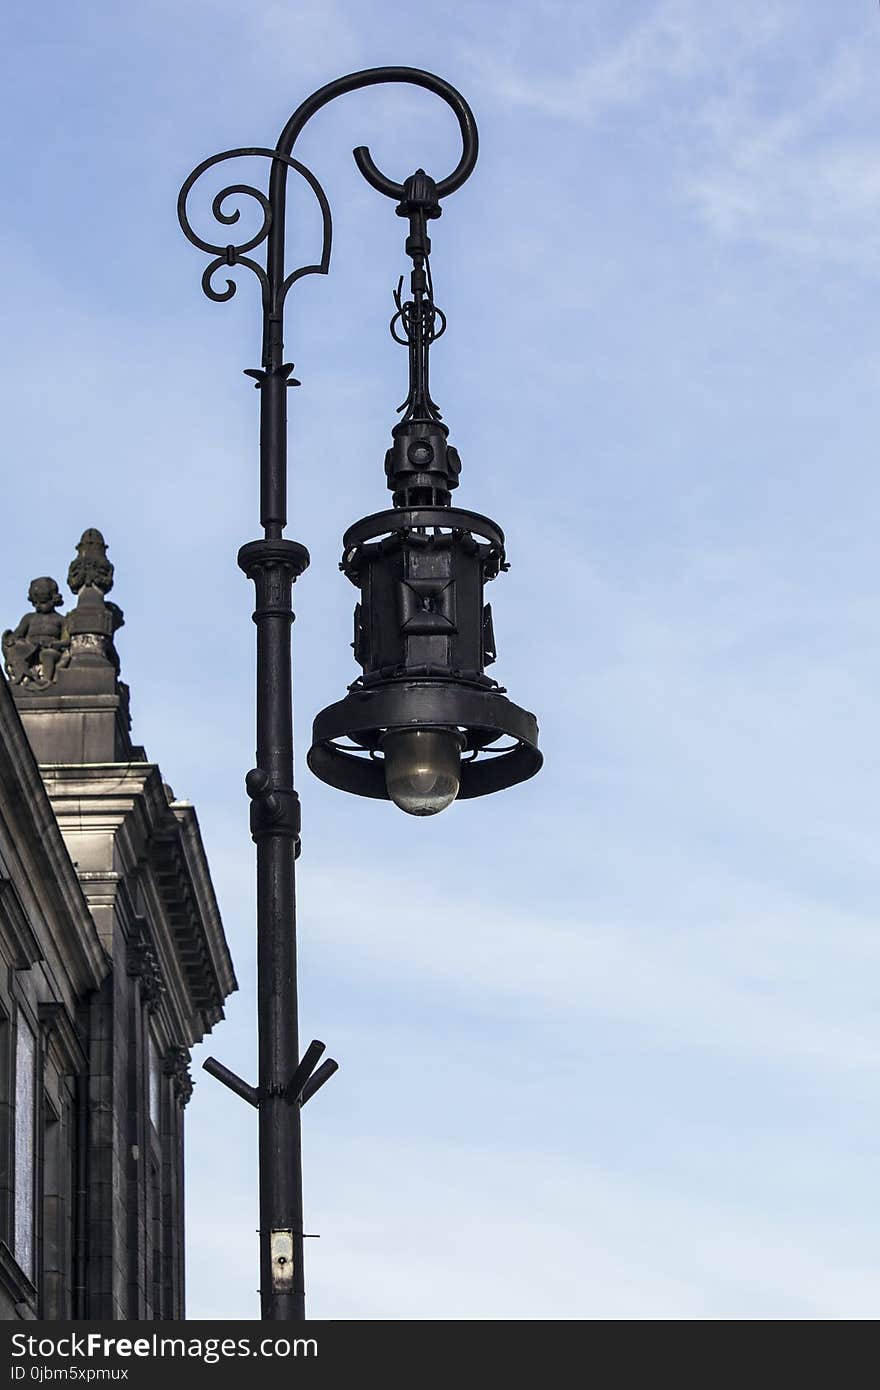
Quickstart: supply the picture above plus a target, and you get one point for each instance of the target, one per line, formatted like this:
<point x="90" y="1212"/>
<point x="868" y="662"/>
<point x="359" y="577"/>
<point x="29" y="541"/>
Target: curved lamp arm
<point x="274" y="376"/>
<point x="275" y="283"/>
<point x="372" y="77"/>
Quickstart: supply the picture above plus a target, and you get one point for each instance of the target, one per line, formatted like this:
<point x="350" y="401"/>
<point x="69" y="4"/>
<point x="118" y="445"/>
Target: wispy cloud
<point x="800" y="180"/>
<point x="716" y="963"/>
<point x="757" y="114"/>
<point x="673" y="44"/>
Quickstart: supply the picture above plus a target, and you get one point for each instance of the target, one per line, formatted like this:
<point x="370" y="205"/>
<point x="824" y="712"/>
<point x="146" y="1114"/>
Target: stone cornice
<point x="118" y="819"/>
<point x="203" y="889"/>
<point x="47" y="887"/>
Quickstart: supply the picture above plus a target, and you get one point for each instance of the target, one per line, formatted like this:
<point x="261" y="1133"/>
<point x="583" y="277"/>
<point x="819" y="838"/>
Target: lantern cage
<point x="423" y="635"/>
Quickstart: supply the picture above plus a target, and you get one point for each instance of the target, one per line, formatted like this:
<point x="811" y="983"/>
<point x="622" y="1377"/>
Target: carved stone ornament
<point x="176" y="1065"/>
<point x="91" y="566"/>
<point x="94" y="620"/>
<point x="143" y="964"/>
<point x="40" y="646"/>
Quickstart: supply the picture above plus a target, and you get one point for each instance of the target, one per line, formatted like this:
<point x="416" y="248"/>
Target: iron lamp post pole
<point x="274" y="563"/>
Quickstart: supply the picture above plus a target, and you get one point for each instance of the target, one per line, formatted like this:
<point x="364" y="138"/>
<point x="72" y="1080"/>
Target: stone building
<point x="113" y="963"/>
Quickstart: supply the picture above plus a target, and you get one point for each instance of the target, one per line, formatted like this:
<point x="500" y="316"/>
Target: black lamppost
<point x="423" y="724"/>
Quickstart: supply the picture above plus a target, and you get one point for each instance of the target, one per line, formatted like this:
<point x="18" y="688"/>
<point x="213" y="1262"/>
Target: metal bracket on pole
<point x="229" y="1078"/>
<point x="316" y="1081"/>
<point x="305" y="1080"/>
<point x="295" y="1085"/>
<point x="301" y="1087"/>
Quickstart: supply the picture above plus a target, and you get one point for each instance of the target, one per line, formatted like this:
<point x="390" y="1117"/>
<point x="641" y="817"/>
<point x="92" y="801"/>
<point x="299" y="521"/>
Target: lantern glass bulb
<point x="422" y="768"/>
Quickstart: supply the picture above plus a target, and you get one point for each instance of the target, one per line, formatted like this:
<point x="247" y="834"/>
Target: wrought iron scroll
<point x="273" y="296"/>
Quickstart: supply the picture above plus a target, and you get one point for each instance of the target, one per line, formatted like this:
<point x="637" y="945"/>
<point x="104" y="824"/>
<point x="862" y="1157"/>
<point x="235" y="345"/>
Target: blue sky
<point x="608" y="1041"/>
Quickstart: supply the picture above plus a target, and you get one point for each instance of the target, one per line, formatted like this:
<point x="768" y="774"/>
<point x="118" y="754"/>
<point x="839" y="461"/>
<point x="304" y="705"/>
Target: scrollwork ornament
<point x="233" y="254"/>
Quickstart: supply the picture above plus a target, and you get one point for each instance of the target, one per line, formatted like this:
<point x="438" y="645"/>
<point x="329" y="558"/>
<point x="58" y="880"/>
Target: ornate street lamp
<point x="423" y="725"/>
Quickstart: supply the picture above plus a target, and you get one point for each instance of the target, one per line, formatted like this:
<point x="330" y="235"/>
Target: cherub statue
<point x="39" y="646"/>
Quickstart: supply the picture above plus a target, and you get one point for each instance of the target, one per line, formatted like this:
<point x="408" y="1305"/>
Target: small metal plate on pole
<point x="281" y="1250"/>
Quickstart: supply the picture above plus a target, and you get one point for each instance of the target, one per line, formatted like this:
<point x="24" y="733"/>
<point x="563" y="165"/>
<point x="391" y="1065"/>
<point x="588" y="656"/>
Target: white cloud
<point x="770" y="132"/>
<point x="803" y="179"/>
<point x="676" y="43"/>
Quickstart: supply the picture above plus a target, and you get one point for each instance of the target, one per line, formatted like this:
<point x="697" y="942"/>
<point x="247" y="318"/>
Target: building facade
<point x="113" y="963"/>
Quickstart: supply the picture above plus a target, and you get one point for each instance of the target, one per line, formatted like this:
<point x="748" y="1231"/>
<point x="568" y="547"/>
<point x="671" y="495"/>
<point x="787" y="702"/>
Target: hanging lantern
<point x="424" y="724"/>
